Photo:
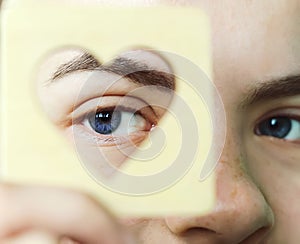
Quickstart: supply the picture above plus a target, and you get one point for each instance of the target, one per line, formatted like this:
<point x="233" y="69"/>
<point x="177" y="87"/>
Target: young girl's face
<point x="256" y="60"/>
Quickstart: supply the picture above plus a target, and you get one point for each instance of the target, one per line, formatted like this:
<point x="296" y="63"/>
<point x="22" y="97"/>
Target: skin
<point x="258" y="182"/>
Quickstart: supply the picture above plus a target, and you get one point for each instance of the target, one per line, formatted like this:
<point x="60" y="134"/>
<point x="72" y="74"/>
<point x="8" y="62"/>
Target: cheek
<point x="275" y="167"/>
<point x="99" y="159"/>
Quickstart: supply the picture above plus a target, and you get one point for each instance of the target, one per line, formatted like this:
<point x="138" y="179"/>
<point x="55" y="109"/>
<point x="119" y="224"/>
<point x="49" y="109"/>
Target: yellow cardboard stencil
<point x="33" y="151"/>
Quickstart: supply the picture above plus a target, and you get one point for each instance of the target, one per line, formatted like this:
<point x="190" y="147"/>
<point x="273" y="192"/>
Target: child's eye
<point x="281" y="127"/>
<point x="119" y="122"/>
<point x="105" y="122"/>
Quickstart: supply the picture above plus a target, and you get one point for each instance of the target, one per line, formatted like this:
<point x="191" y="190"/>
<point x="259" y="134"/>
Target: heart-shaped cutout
<point x="107" y="110"/>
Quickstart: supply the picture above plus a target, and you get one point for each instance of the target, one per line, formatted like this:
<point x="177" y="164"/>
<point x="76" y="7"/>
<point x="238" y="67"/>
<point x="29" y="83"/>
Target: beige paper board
<point x="32" y="149"/>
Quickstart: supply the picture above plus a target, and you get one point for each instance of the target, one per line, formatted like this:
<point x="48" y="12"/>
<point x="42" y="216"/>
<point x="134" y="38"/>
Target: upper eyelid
<point x="120" y="108"/>
<point x="111" y="95"/>
<point x="152" y="118"/>
<point x="114" y="102"/>
<point x="281" y="111"/>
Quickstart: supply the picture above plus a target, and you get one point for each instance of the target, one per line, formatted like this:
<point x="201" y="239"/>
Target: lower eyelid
<point x="108" y="140"/>
<point x="283" y="143"/>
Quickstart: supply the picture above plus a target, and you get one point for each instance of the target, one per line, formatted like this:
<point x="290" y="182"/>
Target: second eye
<point x="280" y="127"/>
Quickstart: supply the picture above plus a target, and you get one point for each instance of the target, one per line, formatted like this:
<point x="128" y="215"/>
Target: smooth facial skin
<point x="256" y="63"/>
<point x="254" y="43"/>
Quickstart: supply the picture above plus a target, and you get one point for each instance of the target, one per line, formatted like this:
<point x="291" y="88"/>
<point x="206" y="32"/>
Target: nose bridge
<point x="240" y="210"/>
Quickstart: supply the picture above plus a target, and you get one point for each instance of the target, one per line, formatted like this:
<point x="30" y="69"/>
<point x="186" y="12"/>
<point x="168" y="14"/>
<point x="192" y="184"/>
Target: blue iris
<point x="105" y="122"/>
<point x="278" y="127"/>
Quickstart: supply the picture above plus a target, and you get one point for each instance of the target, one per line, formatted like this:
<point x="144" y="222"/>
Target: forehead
<point x="251" y="30"/>
<point x="252" y="40"/>
<point x="255" y="40"/>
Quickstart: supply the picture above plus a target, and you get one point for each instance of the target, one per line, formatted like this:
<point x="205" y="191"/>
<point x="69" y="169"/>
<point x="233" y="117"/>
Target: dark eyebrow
<point x="136" y="71"/>
<point x="273" y="89"/>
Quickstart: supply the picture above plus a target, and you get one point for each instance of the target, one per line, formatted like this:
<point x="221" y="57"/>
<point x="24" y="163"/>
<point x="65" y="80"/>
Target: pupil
<point x="104" y="116"/>
<point x="276" y="127"/>
<point x="105" y="122"/>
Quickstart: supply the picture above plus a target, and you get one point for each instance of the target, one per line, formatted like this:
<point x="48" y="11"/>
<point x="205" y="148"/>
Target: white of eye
<point x="130" y="123"/>
<point x="294" y="133"/>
